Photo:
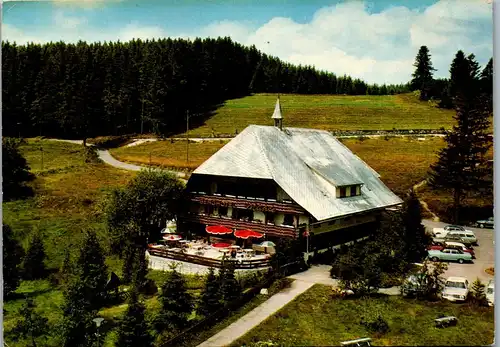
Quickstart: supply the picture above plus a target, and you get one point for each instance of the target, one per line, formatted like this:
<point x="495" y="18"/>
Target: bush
<point x="388" y="280"/>
<point x="378" y="326"/>
<point x="111" y="141"/>
<point x="91" y="155"/>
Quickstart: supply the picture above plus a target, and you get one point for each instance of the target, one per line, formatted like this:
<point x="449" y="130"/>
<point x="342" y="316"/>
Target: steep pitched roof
<point x="307" y="164"/>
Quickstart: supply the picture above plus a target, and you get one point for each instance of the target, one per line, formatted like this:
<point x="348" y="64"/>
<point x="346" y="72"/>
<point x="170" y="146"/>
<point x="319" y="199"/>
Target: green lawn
<point x="317" y="319"/>
<point x="328" y="112"/>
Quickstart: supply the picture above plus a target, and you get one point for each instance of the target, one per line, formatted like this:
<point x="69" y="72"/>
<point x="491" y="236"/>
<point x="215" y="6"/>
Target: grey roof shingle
<point x="307" y="164"/>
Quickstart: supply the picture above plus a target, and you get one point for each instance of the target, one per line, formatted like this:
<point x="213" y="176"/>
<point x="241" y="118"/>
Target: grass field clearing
<point x="316" y="319"/>
<point x="327" y="112"/>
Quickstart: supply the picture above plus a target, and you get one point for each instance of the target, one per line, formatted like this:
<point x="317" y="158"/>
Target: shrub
<point x="478" y="294"/>
<point x="111" y="141"/>
<point x="378" y="326"/>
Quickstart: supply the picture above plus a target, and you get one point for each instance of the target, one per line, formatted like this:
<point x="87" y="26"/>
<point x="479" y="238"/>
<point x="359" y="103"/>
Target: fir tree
<point x="230" y="289"/>
<point x="211" y="297"/>
<point x="33" y="265"/>
<point x="13" y="254"/>
<point x="176" y="303"/>
<point x="133" y="329"/>
<point x="15" y="171"/>
<point x="415" y="238"/>
<point x="84" y="294"/>
<point x="487" y="83"/>
<point x="32" y="325"/>
<point x="478" y="293"/>
<point x="422" y="77"/>
<point x="461" y="166"/>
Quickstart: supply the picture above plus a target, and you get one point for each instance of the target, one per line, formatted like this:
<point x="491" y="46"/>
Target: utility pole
<point x="41" y="150"/>
<point x="187" y="137"/>
<point x="142" y="116"/>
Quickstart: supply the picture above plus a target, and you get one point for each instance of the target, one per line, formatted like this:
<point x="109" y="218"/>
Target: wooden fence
<point x="210" y="262"/>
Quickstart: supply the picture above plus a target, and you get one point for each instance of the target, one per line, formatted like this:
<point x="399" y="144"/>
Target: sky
<point x="376" y="41"/>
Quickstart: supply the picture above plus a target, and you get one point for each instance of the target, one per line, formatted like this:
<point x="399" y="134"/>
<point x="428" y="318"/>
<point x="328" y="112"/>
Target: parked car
<point x="490" y="293"/>
<point x="442" y="232"/>
<point x="449" y="254"/>
<point x="486" y="223"/>
<point x="456" y="289"/>
<point x="449" y="244"/>
<point x="466" y="237"/>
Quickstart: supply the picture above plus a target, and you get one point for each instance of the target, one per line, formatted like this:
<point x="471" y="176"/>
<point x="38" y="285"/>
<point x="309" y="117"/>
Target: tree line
<point x="89" y="89"/>
<point x="445" y="89"/>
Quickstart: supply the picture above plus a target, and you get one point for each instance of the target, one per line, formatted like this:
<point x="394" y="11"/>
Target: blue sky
<point x="373" y="40"/>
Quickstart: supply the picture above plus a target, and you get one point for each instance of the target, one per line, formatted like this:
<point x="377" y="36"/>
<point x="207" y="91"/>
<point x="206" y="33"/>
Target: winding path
<point x="107" y="158"/>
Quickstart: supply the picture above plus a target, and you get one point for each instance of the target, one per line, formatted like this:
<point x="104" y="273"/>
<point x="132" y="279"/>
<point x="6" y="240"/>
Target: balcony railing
<point x="269" y="205"/>
<point x="210" y="262"/>
<point x="270" y="230"/>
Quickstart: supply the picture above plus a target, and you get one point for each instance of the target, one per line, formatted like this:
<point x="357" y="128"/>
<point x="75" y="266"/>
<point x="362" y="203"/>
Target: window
<point x="208" y="209"/>
<point x="288" y="220"/>
<point x="222" y="211"/>
<point x="342" y="192"/>
<point x="270" y="218"/>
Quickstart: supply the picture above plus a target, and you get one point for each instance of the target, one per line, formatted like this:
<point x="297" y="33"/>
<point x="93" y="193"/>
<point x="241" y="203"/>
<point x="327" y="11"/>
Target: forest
<point x="85" y="90"/>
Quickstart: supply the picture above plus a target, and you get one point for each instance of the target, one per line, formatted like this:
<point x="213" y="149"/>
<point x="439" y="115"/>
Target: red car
<point x="440" y="246"/>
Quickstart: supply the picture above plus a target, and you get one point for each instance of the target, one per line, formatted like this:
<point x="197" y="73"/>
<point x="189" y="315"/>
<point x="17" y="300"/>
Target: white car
<point x="490" y="293"/>
<point x="456" y="289"/>
<point x="442" y="232"/>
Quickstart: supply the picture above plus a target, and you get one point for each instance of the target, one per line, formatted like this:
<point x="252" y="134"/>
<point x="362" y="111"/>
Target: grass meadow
<point x="315" y="318"/>
<point x="327" y="112"/>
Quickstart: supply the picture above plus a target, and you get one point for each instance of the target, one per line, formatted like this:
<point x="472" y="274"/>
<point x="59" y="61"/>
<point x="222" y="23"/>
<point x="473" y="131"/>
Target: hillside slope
<point x="328" y="112"/>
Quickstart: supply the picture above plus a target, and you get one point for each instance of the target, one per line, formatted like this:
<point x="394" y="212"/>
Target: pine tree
<point x="84" y="294"/>
<point x="176" y="303"/>
<point x="92" y="271"/>
<point x="415" y="238"/>
<point x="479" y="293"/>
<point x="230" y="289"/>
<point x="12" y="257"/>
<point x="211" y="297"/>
<point x="133" y="329"/>
<point x="32" y="325"/>
<point x="15" y="171"/>
<point x="461" y="166"/>
<point x="487" y="83"/>
<point x="422" y="77"/>
<point x="33" y="265"/>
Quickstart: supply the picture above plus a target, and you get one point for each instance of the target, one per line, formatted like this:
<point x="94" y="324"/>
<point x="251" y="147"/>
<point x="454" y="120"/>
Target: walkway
<point x="257" y="315"/>
<point x="303" y="281"/>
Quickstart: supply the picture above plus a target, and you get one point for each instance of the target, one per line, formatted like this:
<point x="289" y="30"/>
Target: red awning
<point x="245" y="234"/>
<point x="218" y="230"/>
<point x="221" y="245"/>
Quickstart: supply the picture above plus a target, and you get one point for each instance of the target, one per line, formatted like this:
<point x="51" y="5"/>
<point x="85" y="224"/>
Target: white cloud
<point x="344" y="39"/>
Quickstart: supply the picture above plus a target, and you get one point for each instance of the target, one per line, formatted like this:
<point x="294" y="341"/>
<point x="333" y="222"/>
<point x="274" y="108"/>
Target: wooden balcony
<point x="268" y="229"/>
<point x="248" y="203"/>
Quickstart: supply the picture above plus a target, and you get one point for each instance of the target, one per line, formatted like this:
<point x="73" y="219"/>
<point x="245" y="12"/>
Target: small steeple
<point x="278" y="118"/>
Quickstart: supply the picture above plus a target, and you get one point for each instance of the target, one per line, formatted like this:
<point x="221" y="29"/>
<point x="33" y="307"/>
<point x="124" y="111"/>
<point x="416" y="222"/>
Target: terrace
<point x="212" y="255"/>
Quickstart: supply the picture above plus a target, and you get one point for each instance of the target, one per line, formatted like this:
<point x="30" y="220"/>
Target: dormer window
<point x="346" y="191"/>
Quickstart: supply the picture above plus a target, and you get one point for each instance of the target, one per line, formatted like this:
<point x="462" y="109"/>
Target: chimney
<point x="278" y="118"/>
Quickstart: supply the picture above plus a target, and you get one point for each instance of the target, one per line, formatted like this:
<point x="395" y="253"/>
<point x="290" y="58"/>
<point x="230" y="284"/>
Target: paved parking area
<point x="485" y="254"/>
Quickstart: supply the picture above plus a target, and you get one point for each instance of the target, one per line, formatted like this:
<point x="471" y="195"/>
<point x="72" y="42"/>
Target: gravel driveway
<point x="485" y="254"/>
